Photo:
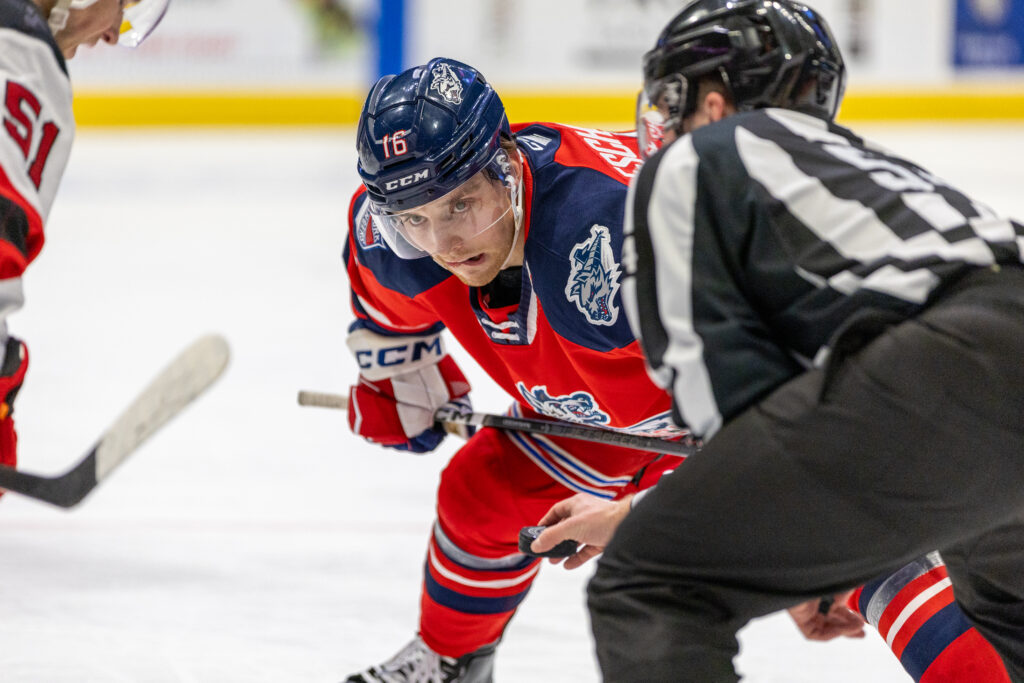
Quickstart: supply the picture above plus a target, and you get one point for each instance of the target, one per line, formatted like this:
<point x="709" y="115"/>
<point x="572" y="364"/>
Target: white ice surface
<point x="253" y="540"/>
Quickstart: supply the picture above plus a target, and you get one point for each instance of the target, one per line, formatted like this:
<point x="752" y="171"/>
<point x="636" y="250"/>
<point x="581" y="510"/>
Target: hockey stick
<point x="178" y="385"/>
<point x="451" y="415"/>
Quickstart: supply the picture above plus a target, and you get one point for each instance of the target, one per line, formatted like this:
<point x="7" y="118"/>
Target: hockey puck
<point x="528" y="534"/>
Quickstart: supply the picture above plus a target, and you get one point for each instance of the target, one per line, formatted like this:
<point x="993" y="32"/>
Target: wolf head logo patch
<point x="579" y="406"/>
<point x="594" y="279"/>
<point x="446" y="83"/>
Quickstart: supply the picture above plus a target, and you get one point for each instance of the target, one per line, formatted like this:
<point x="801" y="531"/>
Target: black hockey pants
<point x="913" y="443"/>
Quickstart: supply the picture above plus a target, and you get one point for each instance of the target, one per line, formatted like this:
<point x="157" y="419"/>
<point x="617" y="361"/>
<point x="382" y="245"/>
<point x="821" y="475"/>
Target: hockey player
<point x="36" y="36"/>
<point x="845" y="330"/>
<point x="507" y="238"/>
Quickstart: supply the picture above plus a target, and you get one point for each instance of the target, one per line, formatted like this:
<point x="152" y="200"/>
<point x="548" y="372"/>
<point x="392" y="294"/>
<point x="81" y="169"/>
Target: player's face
<point x="88" y="26"/>
<point x="469" y="232"/>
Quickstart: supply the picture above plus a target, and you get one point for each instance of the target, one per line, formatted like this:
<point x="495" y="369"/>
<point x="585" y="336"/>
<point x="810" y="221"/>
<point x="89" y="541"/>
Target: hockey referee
<point x="845" y="331"/>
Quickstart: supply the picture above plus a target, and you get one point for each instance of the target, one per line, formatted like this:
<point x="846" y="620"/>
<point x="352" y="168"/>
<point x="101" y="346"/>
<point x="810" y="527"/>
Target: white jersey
<point x="35" y="141"/>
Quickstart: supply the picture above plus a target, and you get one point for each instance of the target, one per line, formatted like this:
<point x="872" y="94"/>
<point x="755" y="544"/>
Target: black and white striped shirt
<point x="753" y="239"/>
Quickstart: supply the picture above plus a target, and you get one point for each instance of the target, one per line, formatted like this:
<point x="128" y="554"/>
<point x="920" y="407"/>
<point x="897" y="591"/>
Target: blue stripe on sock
<point x="934" y="636"/>
<point x="470" y="604"/>
<point x="867" y="593"/>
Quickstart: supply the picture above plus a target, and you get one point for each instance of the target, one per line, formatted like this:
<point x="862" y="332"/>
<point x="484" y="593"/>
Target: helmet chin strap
<point x="517" y="212"/>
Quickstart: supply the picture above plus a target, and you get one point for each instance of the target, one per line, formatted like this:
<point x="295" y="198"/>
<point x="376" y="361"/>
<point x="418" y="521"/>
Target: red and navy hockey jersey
<point x="35" y="139"/>
<point x="566" y="350"/>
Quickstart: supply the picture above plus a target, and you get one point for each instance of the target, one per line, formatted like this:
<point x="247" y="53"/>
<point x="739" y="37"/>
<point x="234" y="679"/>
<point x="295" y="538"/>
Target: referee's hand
<point x="837" y="620"/>
<point x="587" y="519"/>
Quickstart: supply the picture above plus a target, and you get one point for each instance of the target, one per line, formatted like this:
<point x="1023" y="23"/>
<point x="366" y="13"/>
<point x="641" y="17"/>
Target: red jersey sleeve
<point x="366" y="256"/>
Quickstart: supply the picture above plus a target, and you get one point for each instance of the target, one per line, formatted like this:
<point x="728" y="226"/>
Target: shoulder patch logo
<point x="534" y="141"/>
<point x="579" y="406"/>
<point x="594" y="279"/>
<point x="446" y="83"/>
<point x="367" y="236"/>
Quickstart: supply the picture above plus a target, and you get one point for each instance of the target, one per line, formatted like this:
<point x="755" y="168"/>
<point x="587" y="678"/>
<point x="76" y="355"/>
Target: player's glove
<point x="402" y="381"/>
<point x="12" y="374"/>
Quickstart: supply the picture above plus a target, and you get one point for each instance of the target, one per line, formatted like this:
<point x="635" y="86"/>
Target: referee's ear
<point x="717" y="106"/>
<point x="713" y="107"/>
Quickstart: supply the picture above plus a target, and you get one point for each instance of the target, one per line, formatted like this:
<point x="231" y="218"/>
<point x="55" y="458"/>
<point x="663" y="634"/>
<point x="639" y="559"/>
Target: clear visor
<point x="140" y="18"/>
<point x="658" y="108"/>
<point x="452" y="222"/>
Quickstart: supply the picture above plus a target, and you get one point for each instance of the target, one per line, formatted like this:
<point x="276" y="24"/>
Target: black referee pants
<point x="913" y="443"/>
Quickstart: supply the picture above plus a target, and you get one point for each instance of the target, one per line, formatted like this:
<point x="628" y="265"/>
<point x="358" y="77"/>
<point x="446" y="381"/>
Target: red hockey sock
<point x="968" y="658"/>
<point x="463" y="608"/>
<point x="914" y="611"/>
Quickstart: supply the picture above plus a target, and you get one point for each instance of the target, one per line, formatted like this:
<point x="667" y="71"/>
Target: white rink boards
<point x="254" y="541"/>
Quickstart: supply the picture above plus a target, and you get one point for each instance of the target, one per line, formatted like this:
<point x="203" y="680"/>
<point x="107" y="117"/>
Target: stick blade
<point x="64" y="491"/>
<point x="180" y="383"/>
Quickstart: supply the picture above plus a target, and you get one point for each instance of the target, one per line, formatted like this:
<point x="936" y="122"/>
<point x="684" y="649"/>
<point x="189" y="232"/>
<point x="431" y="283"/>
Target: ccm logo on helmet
<point x="405" y="181"/>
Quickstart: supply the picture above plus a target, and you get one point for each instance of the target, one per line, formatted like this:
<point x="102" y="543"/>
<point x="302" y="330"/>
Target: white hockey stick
<point x="451" y="415"/>
<point x="320" y="399"/>
<point x="178" y="385"/>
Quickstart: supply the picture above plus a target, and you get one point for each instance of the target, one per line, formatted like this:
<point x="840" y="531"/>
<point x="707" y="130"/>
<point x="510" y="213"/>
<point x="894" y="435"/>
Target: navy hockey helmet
<point x="421" y="135"/>
<point x="768" y="53"/>
<point x="426" y="131"/>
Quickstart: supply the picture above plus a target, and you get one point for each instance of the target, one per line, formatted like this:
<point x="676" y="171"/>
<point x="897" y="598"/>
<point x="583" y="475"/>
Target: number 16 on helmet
<point x="424" y="134"/>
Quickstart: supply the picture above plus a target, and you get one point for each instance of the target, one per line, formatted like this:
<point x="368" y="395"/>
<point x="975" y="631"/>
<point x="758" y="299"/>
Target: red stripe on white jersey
<point x="12" y="260"/>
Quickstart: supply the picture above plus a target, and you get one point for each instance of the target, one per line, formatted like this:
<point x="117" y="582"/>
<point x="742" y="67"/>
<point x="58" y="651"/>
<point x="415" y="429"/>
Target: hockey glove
<point x="12" y="374"/>
<point x="403" y="380"/>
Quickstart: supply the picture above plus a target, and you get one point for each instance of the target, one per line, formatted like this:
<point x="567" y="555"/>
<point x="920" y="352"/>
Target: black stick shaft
<point x="567" y="430"/>
<point x="453" y="416"/>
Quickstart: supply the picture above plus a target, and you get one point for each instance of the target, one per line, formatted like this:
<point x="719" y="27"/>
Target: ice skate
<point x="417" y="663"/>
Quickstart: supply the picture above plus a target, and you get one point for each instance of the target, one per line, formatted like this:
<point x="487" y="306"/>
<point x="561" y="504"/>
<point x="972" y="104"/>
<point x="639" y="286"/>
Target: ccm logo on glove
<point x="379" y="356"/>
<point x="402" y="381"/>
